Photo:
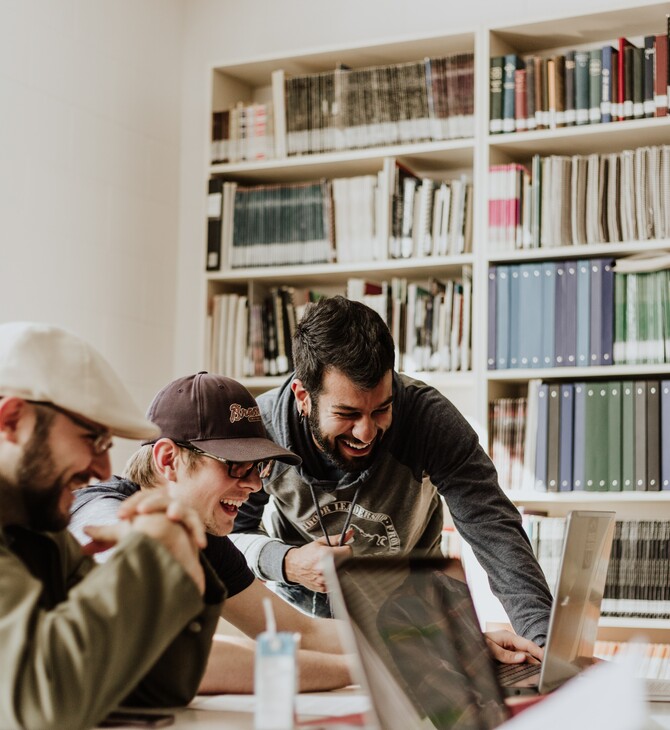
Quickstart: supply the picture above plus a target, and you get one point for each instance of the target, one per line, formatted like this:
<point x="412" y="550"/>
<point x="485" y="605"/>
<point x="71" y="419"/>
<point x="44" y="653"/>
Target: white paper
<point x="608" y="695"/>
<point x="331" y="704"/>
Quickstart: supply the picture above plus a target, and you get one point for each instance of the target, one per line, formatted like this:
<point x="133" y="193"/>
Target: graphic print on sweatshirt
<point x="374" y="532"/>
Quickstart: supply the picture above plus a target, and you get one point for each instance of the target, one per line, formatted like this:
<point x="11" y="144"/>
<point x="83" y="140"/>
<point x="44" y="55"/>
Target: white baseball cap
<point x="40" y="362"/>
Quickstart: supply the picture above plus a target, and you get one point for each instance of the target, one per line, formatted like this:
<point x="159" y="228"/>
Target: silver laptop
<point x="422" y="657"/>
<point x="573" y="624"/>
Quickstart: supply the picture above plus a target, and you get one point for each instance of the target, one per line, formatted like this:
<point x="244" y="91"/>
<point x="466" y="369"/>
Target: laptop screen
<point x="411" y="617"/>
<point x="576" y="608"/>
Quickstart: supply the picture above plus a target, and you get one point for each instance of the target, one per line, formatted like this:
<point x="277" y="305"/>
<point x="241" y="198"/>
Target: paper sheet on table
<point x="608" y="695"/>
<point x="314" y="705"/>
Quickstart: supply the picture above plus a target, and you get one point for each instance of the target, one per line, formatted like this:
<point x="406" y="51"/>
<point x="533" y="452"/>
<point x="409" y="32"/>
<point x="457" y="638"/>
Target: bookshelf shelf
<point x="251" y="81"/>
<point x="610" y="372"/>
<point x="339" y="273"/>
<point x="422" y="157"/>
<point x="526" y="498"/>
<point x="578" y="252"/>
<point x="641" y="624"/>
<point x="586" y="139"/>
<point x="440" y="380"/>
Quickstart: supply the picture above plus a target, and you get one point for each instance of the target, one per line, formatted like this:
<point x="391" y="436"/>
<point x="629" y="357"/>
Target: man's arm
<point x="244" y="611"/>
<point x="68" y="667"/>
<point x="449" y="450"/>
<point x="231" y="668"/>
<point x="321" y="664"/>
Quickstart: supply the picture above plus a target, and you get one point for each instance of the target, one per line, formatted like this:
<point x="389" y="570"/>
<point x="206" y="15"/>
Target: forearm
<point x="230" y="669"/>
<point x="321" y="634"/>
<point x="264" y="555"/>
<point x="101" y="645"/>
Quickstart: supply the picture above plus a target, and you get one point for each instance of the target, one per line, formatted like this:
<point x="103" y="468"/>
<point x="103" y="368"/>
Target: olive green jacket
<point x="77" y="639"/>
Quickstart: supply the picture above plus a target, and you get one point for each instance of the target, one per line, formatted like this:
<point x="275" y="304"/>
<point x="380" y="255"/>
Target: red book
<point x="520" y="100"/>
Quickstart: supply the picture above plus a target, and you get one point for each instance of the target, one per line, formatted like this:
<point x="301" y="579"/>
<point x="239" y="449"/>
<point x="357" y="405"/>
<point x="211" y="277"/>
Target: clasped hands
<point x="164" y="518"/>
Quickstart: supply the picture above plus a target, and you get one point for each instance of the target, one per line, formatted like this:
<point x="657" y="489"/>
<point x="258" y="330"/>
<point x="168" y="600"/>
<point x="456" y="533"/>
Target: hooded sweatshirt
<point x="394" y="506"/>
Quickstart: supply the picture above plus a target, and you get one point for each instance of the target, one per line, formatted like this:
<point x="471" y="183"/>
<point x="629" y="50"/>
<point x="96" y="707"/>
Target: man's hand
<point x="173" y="535"/>
<point x="159" y="500"/>
<point x="303" y="565"/>
<point x="510" y="648"/>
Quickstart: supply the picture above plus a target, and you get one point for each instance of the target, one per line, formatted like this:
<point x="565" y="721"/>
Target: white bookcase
<point x="471" y="391"/>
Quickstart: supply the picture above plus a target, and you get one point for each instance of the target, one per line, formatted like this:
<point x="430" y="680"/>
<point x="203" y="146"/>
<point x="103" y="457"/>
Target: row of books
<point x="641" y="316"/>
<point x="599" y="436"/>
<point x="394" y="214"/>
<point x="251" y="339"/>
<point x="638" y="574"/>
<point x="431" y="325"/>
<point x="245" y="132"/>
<point x="624" y="316"/>
<point x="349" y="108"/>
<point x="551" y="314"/>
<point x="584" y="436"/>
<point x="580" y="199"/>
<point x="507" y="437"/>
<point x="656" y="657"/>
<point x="583" y="86"/>
<point x="268" y="225"/>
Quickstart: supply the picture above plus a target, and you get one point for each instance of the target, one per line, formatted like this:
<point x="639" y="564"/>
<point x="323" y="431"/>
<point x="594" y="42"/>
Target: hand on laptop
<point x="510" y="648"/>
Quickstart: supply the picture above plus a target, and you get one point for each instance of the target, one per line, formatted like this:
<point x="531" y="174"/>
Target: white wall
<point x="222" y="31"/>
<point x="102" y="185"/>
<point x="89" y="176"/>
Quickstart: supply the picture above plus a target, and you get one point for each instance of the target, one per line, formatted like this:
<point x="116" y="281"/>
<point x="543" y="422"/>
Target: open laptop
<point x="573" y="623"/>
<point x="423" y="659"/>
<point x="421" y="655"/>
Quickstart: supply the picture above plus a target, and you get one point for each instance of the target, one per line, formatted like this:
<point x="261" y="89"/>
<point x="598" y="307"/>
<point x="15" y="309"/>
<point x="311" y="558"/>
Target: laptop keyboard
<point x="511" y="673"/>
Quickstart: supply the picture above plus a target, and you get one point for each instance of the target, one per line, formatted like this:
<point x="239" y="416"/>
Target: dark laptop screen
<point x="421" y="623"/>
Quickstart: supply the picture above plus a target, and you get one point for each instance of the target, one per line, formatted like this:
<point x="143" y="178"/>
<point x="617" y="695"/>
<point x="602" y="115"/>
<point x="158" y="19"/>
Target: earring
<point x="301" y="416"/>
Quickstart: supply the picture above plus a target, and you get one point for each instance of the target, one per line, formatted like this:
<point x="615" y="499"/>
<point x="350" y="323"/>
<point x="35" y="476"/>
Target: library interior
<point x="374" y="300"/>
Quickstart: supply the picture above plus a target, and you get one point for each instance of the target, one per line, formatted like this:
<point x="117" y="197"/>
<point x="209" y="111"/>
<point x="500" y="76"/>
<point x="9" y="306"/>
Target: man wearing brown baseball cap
<point x="212" y="452"/>
<point x="77" y="639"/>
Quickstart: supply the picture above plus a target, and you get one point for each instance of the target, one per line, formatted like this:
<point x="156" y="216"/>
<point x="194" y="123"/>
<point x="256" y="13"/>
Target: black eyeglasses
<point x="236" y="469"/>
<point x="101" y="441"/>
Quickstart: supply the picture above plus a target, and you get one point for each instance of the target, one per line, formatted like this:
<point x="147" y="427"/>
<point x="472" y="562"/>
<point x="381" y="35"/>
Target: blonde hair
<point x="141" y="468"/>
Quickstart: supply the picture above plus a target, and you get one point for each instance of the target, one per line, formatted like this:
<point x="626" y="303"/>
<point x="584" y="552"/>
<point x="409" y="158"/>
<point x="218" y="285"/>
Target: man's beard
<point x="35" y="493"/>
<point x="329" y="446"/>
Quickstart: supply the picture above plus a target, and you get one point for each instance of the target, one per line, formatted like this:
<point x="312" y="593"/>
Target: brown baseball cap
<point x="215" y="414"/>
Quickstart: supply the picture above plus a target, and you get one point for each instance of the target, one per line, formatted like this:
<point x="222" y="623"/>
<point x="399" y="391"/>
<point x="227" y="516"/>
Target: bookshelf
<point x="438" y="159"/>
<point x="250" y="82"/>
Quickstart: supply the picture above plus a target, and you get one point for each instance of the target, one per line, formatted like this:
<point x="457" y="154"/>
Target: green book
<point x="619" y="351"/>
<point x="640" y="430"/>
<point x="496" y="94"/>
<point x="627" y="436"/>
<point x="596" y="437"/>
<point x="614" y="418"/>
<point x="582" y="100"/>
<point x="553" y="436"/>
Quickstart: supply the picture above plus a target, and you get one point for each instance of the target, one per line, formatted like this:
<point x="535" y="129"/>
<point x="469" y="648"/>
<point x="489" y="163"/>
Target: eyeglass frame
<point x="263" y="472"/>
<point x="102" y="440"/>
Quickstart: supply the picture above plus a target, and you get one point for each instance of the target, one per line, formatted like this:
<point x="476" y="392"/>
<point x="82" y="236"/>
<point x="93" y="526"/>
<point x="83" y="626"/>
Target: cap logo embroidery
<point x="238" y="412"/>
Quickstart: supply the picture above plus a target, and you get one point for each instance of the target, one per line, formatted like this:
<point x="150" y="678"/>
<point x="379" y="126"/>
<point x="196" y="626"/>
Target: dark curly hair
<point x="336" y="333"/>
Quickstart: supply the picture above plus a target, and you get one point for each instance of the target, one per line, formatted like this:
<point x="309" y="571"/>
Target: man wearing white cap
<point x="77" y="640"/>
<point x="212" y="451"/>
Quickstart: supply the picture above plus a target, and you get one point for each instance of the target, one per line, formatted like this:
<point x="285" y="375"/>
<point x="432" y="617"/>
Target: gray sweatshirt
<point x="429" y="450"/>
